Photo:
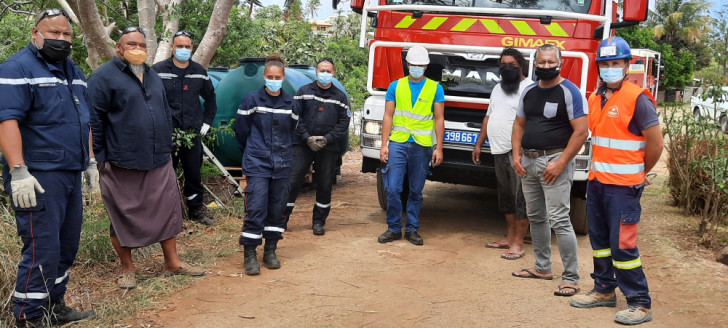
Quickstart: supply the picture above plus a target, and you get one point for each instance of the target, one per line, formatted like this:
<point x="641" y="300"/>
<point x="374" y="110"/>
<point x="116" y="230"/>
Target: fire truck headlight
<point x="372" y="127"/>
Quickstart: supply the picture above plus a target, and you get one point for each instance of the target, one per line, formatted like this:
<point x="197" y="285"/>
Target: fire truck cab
<point x="465" y="39"/>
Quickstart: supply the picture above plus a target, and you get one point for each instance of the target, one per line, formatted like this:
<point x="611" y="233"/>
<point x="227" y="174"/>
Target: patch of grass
<point x="94" y="274"/>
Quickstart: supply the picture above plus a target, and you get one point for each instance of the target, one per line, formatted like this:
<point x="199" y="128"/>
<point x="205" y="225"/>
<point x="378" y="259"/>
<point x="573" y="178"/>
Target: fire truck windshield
<point x="576" y="6"/>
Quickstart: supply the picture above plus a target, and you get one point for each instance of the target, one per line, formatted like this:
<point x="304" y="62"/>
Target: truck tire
<point x="578" y="215"/>
<point x="382" y="194"/>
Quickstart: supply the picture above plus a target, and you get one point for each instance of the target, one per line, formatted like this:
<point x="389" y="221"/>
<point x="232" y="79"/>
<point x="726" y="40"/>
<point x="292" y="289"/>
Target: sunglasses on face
<point x="52" y="13"/>
<point x="131" y="29"/>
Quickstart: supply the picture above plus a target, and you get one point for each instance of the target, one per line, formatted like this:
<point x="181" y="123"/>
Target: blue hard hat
<point x="613" y="48"/>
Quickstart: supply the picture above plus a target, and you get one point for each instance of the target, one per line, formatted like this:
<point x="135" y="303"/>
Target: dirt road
<point x="347" y="279"/>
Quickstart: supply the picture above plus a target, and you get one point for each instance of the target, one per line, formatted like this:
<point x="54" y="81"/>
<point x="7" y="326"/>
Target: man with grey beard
<point x="132" y="128"/>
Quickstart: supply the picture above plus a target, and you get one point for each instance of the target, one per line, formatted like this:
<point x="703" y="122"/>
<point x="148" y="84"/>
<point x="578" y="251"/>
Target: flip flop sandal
<point x="530" y="275"/>
<point x="497" y="244"/>
<point x="575" y="290"/>
<point x="127" y="280"/>
<point x="512" y="255"/>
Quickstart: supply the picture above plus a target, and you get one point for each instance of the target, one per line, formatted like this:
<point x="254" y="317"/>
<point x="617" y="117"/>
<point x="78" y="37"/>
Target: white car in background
<point x="709" y="108"/>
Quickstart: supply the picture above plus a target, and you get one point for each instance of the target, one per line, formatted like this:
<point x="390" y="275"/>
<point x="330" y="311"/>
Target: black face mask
<point x="510" y="74"/>
<point x="55" y="50"/>
<point x="547" y="74"/>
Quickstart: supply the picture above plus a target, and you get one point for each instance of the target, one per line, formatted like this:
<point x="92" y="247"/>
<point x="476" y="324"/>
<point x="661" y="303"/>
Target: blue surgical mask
<point x="416" y="71"/>
<point x="325" y="78"/>
<point x="273" y="85"/>
<point x="611" y="74"/>
<point x="182" y="54"/>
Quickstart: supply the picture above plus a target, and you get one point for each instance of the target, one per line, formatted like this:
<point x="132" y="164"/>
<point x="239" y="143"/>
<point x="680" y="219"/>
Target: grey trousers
<point x="547" y="206"/>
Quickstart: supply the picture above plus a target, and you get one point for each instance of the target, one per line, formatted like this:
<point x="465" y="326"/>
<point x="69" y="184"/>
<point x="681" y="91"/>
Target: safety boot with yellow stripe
<point x="594" y="299"/>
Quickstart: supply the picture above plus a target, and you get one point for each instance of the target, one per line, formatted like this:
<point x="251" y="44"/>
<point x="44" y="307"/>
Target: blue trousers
<point x="50" y="233"/>
<point x="614" y="212"/>
<point x="265" y="199"/>
<point x="413" y="160"/>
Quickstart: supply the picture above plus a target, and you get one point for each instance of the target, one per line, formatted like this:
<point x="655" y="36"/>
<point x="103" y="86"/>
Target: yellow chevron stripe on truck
<point x="493" y="26"/>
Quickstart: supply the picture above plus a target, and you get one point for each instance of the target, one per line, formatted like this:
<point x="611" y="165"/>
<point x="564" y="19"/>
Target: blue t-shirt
<point x="415" y="89"/>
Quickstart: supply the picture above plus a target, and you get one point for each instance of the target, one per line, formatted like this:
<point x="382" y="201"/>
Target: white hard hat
<point x="418" y="55"/>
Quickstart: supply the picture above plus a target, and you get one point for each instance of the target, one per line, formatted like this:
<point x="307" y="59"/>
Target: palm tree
<point x="679" y="21"/>
<point x="311" y="8"/>
<point x="251" y="4"/>
<point x="292" y="9"/>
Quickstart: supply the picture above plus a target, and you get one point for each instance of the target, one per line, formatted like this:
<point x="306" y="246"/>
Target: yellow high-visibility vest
<point x="417" y="121"/>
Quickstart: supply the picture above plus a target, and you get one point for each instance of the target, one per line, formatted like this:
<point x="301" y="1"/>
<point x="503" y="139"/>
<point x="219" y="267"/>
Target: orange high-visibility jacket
<point x="618" y="156"/>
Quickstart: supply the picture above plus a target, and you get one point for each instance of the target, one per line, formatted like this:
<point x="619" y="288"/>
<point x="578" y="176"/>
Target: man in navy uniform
<point x="44" y="138"/>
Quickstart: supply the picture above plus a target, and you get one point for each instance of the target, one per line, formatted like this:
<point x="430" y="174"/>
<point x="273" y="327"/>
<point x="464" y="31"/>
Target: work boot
<point x="389" y="235"/>
<point x="594" y="299"/>
<point x="413" y="238"/>
<point x="31" y="323"/>
<point x="200" y="215"/>
<point x="633" y="315"/>
<point x="62" y="313"/>
<point x="318" y="229"/>
<point x="269" y="254"/>
<point x="251" y="261"/>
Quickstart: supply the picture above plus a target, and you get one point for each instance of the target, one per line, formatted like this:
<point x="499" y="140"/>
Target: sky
<point x="324" y="11"/>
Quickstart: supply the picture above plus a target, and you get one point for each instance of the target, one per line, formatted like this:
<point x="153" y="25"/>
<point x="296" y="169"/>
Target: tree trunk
<point x="100" y="46"/>
<point x="216" y="30"/>
<point x="147" y="18"/>
<point x="167" y="8"/>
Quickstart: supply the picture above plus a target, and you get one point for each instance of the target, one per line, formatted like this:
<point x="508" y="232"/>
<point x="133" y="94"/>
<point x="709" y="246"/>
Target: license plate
<point x="462" y="137"/>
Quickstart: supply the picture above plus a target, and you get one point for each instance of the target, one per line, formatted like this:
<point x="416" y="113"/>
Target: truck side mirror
<point x="634" y="10"/>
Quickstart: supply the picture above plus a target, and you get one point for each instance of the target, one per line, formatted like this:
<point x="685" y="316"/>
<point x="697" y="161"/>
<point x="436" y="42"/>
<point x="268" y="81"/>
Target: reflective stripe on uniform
<point x="626" y="265"/>
<point x="192" y="197"/>
<point x="412" y="131"/>
<point x="412" y="115"/>
<point x="79" y="82"/>
<point x="291" y="204"/>
<point x="168" y="76"/>
<point x="276" y="229"/>
<point x="251" y="235"/>
<point x="323" y="205"/>
<point x="33" y="81"/>
<point x="602" y="252"/>
<point x="197" y="76"/>
<point x="268" y="110"/>
<point x="60" y="279"/>
<point x="619" y="168"/>
<point x="32" y="296"/>
<point x="332" y="101"/>
<point x="619" y="143"/>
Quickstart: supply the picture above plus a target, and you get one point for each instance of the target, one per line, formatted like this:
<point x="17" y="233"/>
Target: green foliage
<point x="698" y="166"/>
<point x="684" y="25"/>
<point x="183" y="139"/>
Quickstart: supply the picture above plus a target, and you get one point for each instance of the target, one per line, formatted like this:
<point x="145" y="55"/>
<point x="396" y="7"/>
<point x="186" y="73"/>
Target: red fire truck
<point x="465" y="39"/>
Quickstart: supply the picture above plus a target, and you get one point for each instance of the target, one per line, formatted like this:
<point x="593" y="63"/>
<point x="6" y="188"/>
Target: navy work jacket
<point x="49" y="103"/>
<point x="264" y="129"/>
<point x="324" y="112"/>
<point x="184" y="92"/>
<point x="131" y="121"/>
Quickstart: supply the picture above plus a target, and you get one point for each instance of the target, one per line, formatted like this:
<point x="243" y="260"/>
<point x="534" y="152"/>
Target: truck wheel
<point x="382" y="194"/>
<point x="724" y="123"/>
<point x="578" y="215"/>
